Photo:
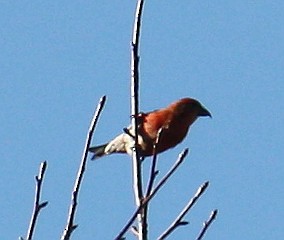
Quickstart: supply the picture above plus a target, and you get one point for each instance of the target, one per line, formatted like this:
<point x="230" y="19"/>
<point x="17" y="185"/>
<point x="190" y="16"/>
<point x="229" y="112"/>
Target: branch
<point x="180" y="159"/>
<point x="153" y="171"/>
<point x="37" y="205"/>
<point x="152" y="177"/>
<point x="179" y="220"/>
<point x="136" y="163"/>
<point x="70" y="227"/>
<point x="207" y="223"/>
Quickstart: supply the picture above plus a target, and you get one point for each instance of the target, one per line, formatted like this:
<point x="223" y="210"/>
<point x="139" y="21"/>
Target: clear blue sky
<point x="58" y="58"/>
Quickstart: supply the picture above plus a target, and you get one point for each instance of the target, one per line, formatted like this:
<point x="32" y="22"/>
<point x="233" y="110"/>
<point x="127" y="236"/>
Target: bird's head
<point x="190" y="106"/>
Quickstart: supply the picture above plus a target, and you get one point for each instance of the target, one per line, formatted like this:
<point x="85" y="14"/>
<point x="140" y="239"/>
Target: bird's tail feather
<point x="98" y="151"/>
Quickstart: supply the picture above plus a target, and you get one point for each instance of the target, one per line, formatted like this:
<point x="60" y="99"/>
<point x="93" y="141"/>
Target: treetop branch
<point x="70" y="226"/>
<point x="37" y="205"/>
<point x="179" y="220"/>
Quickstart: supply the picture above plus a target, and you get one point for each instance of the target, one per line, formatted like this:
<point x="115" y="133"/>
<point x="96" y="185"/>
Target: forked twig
<point x="180" y="159"/>
<point x="207" y="223"/>
<point x="179" y="220"/>
<point x="70" y="227"/>
<point x="37" y="205"/>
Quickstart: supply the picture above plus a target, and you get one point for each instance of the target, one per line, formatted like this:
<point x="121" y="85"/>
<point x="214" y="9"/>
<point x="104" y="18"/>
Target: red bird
<point x="175" y="121"/>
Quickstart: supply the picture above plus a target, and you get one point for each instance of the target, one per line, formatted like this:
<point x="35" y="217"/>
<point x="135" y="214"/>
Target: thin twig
<point x="152" y="177"/>
<point x="136" y="163"/>
<point x="153" y="171"/>
<point x="207" y="223"/>
<point x="37" y="205"/>
<point x="70" y="227"/>
<point x="180" y="159"/>
<point x="179" y="220"/>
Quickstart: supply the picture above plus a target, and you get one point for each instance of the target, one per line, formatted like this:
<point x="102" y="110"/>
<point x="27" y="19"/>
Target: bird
<point x="173" y="120"/>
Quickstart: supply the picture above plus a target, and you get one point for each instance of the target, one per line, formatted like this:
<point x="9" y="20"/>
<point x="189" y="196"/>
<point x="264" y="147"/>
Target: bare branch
<point x="37" y="205"/>
<point x="153" y="171"/>
<point x="152" y="177"/>
<point x="70" y="227"/>
<point x="180" y="159"/>
<point x="179" y="220"/>
<point x="136" y="163"/>
<point x="207" y="223"/>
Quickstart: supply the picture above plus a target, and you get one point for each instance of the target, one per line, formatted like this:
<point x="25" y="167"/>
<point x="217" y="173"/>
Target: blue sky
<point x="58" y="58"/>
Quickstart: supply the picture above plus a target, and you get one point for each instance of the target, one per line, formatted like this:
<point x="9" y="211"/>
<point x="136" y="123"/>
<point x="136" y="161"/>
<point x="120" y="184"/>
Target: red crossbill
<point x="174" y="120"/>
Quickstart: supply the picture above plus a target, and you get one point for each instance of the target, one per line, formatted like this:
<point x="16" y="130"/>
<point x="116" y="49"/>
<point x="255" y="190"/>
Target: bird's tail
<point x="98" y="151"/>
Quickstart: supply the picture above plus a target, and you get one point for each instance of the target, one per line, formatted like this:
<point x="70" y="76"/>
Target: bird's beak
<point x="204" y="112"/>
